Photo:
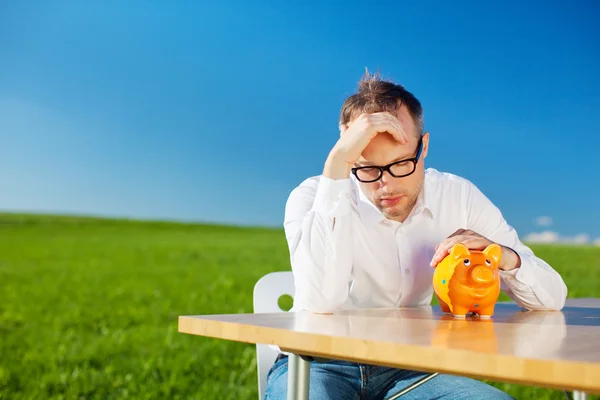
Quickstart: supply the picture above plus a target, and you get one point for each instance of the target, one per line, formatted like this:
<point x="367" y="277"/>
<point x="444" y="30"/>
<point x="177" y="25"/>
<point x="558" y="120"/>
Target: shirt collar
<point x="370" y="214"/>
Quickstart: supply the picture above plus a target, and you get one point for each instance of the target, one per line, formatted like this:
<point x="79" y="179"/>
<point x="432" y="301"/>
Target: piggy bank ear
<point x="494" y="252"/>
<point x="459" y="251"/>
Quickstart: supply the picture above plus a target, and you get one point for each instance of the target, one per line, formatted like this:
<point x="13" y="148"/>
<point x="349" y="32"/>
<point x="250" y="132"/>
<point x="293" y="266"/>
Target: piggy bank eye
<point x="488" y="263"/>
<point x="467" y="262"/>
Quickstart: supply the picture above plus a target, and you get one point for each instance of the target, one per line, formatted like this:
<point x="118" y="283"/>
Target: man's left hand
<point x="474" y="241"/>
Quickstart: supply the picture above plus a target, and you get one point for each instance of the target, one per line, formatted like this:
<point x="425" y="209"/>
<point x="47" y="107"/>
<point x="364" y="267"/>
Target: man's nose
<point x="386" y="178"/>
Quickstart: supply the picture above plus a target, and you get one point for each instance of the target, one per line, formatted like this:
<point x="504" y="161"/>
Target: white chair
<point x="267" y="292"/>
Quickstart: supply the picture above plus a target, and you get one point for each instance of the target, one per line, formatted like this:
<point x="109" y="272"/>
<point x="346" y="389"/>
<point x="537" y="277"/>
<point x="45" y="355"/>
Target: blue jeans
<point x="342" y="380"/>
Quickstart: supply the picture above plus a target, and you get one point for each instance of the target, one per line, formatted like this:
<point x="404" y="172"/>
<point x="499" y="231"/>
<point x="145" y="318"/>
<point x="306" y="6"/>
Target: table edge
<point x="415" y="357"/>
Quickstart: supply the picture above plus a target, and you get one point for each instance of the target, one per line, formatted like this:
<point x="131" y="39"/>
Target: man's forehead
<point x="401" y="152"/>
<point x="404" y="116"/>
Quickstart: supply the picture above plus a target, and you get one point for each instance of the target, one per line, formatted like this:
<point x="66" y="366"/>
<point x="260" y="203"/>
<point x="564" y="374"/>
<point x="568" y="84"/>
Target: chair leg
<point x="577" y="395"/>
<point x="410" y="387"/>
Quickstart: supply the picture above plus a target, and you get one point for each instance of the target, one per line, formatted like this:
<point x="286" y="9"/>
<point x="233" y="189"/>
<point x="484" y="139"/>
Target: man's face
<point x="395" y="197"/>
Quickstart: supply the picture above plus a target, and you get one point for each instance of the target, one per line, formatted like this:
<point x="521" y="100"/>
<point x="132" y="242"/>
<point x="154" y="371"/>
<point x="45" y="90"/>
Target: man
<point x="370" y="229"/>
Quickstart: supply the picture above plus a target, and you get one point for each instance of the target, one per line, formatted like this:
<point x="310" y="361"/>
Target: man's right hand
<point x="356" y="137"/>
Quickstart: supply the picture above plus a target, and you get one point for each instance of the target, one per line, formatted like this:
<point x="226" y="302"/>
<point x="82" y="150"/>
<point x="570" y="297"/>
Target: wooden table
<point x="553" y="349"/>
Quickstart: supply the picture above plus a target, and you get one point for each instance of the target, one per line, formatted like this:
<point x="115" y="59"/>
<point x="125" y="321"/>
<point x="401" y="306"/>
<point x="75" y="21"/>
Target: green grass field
<point x="89" y="307"/>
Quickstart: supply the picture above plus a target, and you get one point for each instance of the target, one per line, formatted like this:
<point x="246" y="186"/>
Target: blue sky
<point x="216" y="111"/>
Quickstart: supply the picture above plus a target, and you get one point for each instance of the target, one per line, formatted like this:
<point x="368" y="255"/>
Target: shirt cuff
<point x="524" y="274"/>
<point x="525" y="281"/>
<point x="333" y="197"/>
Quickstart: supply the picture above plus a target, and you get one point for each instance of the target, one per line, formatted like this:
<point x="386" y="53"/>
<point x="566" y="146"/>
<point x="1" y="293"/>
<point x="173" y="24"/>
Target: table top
<point x="555" y="349"/>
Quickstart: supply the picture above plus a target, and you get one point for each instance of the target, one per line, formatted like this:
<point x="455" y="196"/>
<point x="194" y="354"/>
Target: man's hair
<point x="377" y="95"/>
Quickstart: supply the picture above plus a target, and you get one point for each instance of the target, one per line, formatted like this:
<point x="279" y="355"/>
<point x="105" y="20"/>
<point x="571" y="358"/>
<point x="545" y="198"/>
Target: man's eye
<point x="369" y="171"/>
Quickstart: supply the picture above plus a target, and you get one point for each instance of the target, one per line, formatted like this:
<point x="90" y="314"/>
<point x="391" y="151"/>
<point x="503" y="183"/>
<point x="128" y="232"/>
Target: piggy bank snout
<point x="482" y="275"/>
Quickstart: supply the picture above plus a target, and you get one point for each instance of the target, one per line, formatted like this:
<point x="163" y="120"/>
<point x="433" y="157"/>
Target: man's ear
<point x="425" y="144"/>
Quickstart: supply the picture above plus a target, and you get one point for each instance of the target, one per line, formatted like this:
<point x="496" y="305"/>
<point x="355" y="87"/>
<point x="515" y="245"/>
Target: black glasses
<point x="397" y="169"/>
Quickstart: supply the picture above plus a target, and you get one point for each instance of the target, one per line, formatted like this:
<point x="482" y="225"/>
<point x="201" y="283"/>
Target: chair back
<point x="267" y="292"/>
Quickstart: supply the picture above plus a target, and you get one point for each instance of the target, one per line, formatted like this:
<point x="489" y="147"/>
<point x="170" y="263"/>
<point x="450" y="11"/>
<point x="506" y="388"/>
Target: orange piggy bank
<point x="467" y="281"/>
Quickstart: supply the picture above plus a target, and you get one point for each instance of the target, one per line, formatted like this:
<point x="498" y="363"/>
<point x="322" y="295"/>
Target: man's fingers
<point x="471" y="240"/>
<point x="402" y="135"/>
<point x="475" y="243"/>
<point x="399" y="134"/>
<point x="384" y="121"/>
<point x="393" y="129"/>
<point x="443" y="249"/>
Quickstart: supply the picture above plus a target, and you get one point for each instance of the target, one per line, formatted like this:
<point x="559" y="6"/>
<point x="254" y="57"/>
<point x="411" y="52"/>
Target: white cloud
<point x="554" y="237"/>
<point x="582" y="238"/>
<point x="542" y="237"/>
<point x="543" y="221"/>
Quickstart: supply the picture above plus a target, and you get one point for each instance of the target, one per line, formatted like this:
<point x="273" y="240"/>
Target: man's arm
<point x="318" y="218"/>
<point x="318" y="228"/>
<point x="533" y="284"/>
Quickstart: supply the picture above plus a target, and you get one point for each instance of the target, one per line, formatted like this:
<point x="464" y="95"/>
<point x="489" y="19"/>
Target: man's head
<point x="394" y="196"/>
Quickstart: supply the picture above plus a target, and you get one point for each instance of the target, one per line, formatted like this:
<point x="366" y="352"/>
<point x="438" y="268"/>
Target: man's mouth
<point x="390" y="201"/>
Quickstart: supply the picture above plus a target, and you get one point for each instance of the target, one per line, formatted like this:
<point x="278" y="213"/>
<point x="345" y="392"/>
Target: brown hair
<point x="377" y="95"/>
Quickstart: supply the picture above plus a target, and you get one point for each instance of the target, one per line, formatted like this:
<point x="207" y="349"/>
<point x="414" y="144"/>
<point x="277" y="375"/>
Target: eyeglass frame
<point x="384" y="168"/>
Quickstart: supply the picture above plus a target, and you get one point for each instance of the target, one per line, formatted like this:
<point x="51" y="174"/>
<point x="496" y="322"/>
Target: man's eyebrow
<point x="370" y="164"/>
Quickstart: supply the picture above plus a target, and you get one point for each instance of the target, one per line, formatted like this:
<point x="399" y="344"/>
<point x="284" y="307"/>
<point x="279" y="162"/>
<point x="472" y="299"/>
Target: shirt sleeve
<point x="535" y="285"/>
<point x="318" y="229"/>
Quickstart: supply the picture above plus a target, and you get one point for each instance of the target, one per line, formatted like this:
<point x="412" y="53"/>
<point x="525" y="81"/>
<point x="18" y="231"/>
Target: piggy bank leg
<point x="460" y="312"/>
<point x="486" y="312"/>
<point x="445" y="308"/>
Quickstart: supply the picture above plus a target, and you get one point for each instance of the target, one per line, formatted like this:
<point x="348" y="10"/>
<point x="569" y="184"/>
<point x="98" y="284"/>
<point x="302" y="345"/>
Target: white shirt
<point x="345" y="254"/>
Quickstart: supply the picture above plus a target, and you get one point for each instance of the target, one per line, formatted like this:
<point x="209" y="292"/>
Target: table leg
<point x="577" y="395"/>
<point x="298" y="378"/>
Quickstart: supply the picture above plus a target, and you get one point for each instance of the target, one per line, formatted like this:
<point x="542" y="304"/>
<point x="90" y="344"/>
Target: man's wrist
<point x="336" y="167"/>
<point x="510" y="259"/>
